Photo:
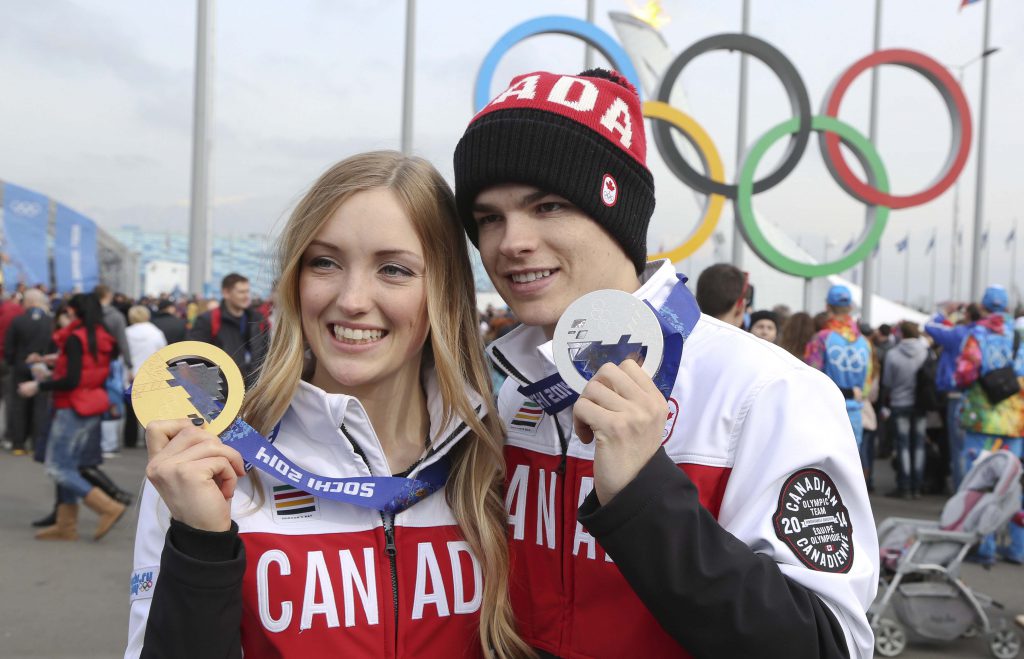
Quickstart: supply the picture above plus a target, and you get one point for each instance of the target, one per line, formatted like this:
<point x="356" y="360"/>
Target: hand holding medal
<point x="190" y="466"/>
<point x="194" y="472"/>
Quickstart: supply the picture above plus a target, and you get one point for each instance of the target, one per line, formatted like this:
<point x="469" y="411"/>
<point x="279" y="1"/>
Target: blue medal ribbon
<point x="388" y="494"/>
<point x="677" y="317"/>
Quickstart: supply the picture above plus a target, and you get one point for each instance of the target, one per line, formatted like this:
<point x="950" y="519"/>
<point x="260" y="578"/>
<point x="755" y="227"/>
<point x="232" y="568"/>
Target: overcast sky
<point x="97" y="104"/>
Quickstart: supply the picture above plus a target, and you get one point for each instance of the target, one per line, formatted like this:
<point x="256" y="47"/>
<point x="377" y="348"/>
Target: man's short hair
<point x="909" y="329"/>
<point x="719" y="288"/>
<point x="101" y="291"/>
<point x="232" y="280"/>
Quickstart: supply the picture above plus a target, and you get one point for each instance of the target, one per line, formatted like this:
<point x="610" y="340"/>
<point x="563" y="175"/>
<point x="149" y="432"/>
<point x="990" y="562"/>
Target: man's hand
<point x="28" y="389"/>
<point x="622" y="410"/>
<point x="194" y="473"/>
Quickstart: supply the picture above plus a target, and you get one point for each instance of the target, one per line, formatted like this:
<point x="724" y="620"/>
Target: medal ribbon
<point x="677" y="317"/>
<point x="388" y="494"/>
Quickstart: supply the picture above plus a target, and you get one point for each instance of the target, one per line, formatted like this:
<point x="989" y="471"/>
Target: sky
<point x="97" y="107"/>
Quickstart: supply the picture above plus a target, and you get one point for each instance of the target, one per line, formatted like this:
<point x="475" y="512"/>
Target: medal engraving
<point x="159" y="390"/>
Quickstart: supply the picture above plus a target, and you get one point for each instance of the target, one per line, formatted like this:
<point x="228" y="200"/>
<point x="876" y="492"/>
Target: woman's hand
<point x="194" y="473"/>
<point x="28" y="389"/>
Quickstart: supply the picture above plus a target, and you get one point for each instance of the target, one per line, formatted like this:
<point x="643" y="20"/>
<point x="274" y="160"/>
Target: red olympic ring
<point x="960" y="121"/>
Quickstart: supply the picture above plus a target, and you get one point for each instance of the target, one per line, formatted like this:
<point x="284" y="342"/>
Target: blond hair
<point x="474" y="486"/>
<point x="138" y="314"/>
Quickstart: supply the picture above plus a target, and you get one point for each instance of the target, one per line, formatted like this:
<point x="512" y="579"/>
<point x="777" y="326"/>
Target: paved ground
<point x="70" y="601"/>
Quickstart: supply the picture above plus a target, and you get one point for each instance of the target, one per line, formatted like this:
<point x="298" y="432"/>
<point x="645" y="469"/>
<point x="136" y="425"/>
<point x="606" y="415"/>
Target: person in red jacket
<point x="84" y="352"/>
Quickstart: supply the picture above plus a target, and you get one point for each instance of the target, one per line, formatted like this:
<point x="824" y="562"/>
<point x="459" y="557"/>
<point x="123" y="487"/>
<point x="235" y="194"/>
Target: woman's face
<point x="363" y="296"/>
<point x="764" y="329"/>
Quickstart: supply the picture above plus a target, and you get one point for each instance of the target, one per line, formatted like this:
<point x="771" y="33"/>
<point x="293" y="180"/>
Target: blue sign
<point x="24" y="246"/>
<point x="74" y="252"/>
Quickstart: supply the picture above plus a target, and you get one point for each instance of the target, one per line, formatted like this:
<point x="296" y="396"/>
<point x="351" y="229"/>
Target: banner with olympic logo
<point x="26" y="214"/>
<point x="830" y="130"/>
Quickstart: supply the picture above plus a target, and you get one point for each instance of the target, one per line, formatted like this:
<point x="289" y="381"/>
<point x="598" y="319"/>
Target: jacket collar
<point x="525" y="354"/>
<point x="342" y="419"/>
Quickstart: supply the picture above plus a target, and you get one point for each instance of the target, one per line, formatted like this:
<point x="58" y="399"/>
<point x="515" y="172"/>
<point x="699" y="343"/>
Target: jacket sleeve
<point x="733" y="587"/>
<point x="9" y="340"/>
<point x="201" y="330"/>
<point x="186" y="588"/>
<point x="944" y="335"/>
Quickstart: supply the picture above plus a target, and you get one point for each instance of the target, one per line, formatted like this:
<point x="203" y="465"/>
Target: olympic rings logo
<point x="25" y="208"/>
<point x="831" y="132"/>
<point x="847" y="359"/>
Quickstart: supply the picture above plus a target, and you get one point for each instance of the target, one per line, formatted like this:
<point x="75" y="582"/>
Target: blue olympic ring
<point x="566" y="25"/>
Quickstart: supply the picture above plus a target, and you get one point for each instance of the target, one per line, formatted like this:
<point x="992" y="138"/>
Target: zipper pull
<point x="389" y="537"/>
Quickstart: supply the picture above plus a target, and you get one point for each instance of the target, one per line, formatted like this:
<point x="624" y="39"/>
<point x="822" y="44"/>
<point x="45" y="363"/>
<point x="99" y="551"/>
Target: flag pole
<point x="1013" y="268"/>
<point x="408" y="74"/>
<point x="979" y="188"/>
<point x="868" y="285"/>
<point x="199" y="221"/>
<point x="906" y="276"/>
<point x="931" y="292"/>
<point x="741" y="140"/>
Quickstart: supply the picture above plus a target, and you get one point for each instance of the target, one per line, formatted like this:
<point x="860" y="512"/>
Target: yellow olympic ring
<point x="155" y="398"/>
<point x="701" y="141"/>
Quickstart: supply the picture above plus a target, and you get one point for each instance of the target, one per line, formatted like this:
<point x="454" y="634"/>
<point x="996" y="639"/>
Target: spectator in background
<point x="991" y="426"/>
<point x="899" y="377"/>
<point x="950" y="337"/>
<point x="169" y="321"/>
<point x="144" y="338"/>
<point x="83" y="360"/>
<point x="234" y="327"/>
<point x="28" y="333"/>
<point x="870" y="421"/>
<point x="9" y="310"/>
<point x="782" y="314"/>
<point x="843" y="354"/>
<point x="724" y="291"/>
<point x="764" y="325"/>
<point x="797" y="332"/>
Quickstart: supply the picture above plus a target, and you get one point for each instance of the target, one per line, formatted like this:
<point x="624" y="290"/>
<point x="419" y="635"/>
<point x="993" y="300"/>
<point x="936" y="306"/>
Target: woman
<point x="764" y="324"/>
<point x="375" y="368"/>
<point x="797" y="333"/>
<point x="84" y="352"/>
<point x="144" y="338"/>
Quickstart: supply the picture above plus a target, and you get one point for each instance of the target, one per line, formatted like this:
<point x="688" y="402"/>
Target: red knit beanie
<point x="580" y="137"/>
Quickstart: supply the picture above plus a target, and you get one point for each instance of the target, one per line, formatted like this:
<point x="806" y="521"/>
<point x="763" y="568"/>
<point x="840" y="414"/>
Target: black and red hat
<point x="580" y="137"/>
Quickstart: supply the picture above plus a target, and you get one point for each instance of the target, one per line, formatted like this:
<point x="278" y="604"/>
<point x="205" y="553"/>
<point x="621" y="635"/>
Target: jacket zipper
<point x="388" y="521"/>
<point x="389" y="549"/>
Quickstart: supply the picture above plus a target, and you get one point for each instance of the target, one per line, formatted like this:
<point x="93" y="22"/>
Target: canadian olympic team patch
<point x="813" y="521"/>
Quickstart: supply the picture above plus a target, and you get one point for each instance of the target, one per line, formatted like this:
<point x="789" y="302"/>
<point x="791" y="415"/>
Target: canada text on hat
<point x="604" y="106"/>
<point x="839" y="296"/>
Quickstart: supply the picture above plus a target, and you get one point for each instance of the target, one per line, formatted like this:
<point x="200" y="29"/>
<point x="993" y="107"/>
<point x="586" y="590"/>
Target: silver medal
<point x="601" y="327"/>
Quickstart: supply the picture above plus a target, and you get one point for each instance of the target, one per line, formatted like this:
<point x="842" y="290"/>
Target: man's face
<point x="542" y="253"/>
<point x="238" y="297"/>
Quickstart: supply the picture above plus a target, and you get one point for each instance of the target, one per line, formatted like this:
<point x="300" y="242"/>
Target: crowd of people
<point x="496" y="512"/>
<point x="67" y="363"/>
<point x="920" y="394"/>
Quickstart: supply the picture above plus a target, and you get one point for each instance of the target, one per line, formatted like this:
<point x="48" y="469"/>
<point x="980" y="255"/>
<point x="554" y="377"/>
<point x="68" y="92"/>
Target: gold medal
<point x="157" y="394"/>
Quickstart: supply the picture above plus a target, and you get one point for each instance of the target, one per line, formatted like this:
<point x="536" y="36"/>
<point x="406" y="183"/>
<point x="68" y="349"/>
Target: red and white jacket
<point x="318" y="580"/>
<point x="749" y="433"/>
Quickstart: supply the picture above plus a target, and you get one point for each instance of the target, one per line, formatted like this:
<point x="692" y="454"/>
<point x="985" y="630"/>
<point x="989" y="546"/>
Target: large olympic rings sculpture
<point x="831" y="133"/>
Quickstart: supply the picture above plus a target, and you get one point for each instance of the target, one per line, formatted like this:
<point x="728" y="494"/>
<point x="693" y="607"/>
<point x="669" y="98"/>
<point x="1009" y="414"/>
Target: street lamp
<point x="954" y="279"/>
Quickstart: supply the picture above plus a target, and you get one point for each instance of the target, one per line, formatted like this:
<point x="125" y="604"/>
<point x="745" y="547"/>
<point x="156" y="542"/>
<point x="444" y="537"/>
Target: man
<point x="724" y="292"/>
<point x="950" y="338"/>
<point x="899" y="380"/>
<point x="843" y="354"/>
<point x="234" y="327"/>
<point x="693" y="533"/>
<point x="988" y="425"/>
<point x="9" y="310"/>
<point x="169" y="321"/>
<point x="28" y="333"/>
<point x="115" y="322"/>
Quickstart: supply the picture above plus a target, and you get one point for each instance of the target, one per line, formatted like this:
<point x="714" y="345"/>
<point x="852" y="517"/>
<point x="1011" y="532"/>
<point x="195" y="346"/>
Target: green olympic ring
<point x="869" y="160"/>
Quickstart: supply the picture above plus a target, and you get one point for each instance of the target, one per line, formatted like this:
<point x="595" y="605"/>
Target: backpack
<point x="926" y="393"/>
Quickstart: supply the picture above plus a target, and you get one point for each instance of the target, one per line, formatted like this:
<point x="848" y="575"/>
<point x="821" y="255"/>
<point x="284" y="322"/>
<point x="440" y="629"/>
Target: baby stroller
<point x="920" y="590"/>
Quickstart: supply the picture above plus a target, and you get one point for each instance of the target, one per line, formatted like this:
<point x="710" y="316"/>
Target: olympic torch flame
<point x="651" y="13"/>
